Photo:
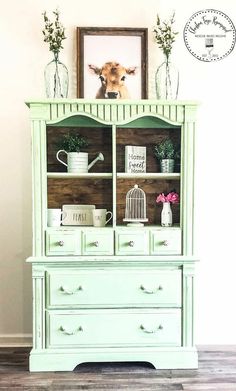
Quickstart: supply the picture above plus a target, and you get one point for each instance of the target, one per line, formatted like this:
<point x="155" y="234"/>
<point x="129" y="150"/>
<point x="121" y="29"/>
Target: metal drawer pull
<point x="61" y="243"/>
<point x="151" y="291"/>
<point x="165" y="243"/>
<point x="69" y="292"/>
<point x="96" y="244"/>
<point x="131" y="243"/>
<point x="151" y="331"/>
<point x="68" y="332"/>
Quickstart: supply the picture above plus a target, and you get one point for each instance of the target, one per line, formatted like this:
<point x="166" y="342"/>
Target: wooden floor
<point x="217" y="371"/>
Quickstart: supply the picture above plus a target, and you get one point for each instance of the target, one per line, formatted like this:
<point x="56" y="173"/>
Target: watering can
<point x="77" y="162"/>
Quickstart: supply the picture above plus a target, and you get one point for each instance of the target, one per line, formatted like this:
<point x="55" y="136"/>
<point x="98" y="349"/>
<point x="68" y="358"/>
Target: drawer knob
<point x="150" y="331"/>
<point x="70" y="332"/>
<point x="61" y="243"/>
<point x="165" y="243"/>
<point x="131" y="243"/>
<point x="70" y="292"/>
<point x="96" y="244"/>
<point x="151" y="291"/>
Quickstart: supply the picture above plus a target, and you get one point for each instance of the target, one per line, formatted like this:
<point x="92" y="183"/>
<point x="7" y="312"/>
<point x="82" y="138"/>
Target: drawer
<point x="63" y="243"/>
<point x="98" y="242"/>
<point x="113" y="328"/>
<point x="165" y="241"/>
<point x="132" y="242"/>
<point x="88" y="288"/>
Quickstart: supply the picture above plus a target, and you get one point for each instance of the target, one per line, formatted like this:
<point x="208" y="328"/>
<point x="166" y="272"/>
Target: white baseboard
<point x="16" y="340"/>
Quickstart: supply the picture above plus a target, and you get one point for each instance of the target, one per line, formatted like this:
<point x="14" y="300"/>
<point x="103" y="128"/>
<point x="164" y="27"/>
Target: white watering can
<point x="77" y="162"/>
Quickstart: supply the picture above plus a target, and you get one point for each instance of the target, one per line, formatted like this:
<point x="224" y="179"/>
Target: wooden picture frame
<point x="98" y="45"/>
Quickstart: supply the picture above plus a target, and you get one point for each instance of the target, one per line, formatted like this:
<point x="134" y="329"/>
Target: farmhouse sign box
<point x="77" y="214"/>
<point x="135" y="159"/>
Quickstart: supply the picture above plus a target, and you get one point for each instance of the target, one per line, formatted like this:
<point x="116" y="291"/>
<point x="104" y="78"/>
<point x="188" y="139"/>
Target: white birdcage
<point x="135" y="209"/>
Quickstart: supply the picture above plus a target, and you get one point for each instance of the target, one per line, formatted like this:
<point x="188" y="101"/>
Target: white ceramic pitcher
<point x="77" y="162"/>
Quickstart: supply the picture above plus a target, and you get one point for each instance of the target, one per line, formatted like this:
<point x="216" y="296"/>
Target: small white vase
<point x="166" y="215"/>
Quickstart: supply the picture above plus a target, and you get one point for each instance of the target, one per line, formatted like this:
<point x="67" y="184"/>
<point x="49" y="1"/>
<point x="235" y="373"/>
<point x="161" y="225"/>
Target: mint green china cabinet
<point x="116" y="293"/>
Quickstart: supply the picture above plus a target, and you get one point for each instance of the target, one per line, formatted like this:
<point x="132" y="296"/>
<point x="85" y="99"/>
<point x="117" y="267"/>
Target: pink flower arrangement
<point x="171" y="197"/>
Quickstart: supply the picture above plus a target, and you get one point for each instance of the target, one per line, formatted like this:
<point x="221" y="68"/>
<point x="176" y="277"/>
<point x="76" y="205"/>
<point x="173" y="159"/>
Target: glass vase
<point x="167" y="80"/>
<point x="166" y="215"/>
<point x="56" y="79"/>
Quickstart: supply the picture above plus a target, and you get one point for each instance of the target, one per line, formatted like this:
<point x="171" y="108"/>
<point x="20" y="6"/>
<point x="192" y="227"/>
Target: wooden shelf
<point x="149" y="175"/>
<point x="87" y="175"/>
<point x="108" y="175"/>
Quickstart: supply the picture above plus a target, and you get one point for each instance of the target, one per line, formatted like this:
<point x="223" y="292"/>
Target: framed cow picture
<point x="112" y="63"/>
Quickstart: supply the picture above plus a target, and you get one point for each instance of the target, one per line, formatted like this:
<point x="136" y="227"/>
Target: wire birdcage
<point x="135" y="209"/>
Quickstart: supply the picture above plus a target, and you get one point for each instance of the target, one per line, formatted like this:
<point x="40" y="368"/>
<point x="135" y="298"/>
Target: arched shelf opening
<point x="79" y="120"/>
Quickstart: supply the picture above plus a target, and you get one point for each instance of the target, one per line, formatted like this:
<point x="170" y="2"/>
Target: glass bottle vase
<point x="167" y="80"/>
<point x="56" y="79"/>
<point x="166" y="215"/>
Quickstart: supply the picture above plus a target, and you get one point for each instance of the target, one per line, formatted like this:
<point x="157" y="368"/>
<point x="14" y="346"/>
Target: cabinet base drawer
<point x="114" y="328"/>
<point x="76" y="288"/>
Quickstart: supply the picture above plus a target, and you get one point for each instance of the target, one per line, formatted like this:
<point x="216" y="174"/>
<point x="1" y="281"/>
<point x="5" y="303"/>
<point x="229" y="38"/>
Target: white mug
<point x="100" y="217"/>
<point x="55" y="216"/>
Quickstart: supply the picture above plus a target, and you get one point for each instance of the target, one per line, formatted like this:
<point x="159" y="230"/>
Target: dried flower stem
<point x="164" y="34"/>
<point x="54" y="32"/>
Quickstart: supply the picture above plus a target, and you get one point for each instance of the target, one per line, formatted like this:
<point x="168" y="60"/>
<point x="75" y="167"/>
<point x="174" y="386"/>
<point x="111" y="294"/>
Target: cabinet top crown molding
<point x="111" y="111"/>
<point x="116" y="102"/>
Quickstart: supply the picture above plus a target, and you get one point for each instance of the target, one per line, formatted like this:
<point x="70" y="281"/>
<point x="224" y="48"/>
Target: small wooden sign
<point x="135" y="159"/>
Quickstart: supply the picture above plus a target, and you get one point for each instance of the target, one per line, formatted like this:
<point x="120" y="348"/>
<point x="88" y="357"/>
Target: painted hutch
<point x="116" y="293"/>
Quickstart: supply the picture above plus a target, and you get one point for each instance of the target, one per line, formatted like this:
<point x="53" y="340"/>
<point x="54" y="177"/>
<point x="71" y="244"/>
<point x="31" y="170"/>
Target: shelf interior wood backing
<point x="147" y="138"/>
<point x="152" y="188"/>
<point x="99" y="140"/>
<point x="97" y="192"/>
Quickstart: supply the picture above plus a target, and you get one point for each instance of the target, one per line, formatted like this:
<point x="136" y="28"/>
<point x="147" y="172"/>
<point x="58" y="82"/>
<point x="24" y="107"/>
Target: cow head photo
<point x="112" y="76"/>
